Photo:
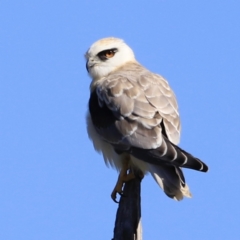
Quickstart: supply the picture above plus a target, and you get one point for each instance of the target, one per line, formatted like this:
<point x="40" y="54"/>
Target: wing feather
<point x="140" y="97"/>
<point x="137" y="104"/>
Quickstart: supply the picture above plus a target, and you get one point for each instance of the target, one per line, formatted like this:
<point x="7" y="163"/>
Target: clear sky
<point x="53" y="185"/>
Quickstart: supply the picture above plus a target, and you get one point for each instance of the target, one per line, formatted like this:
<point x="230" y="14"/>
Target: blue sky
<point x="53" y="184"/>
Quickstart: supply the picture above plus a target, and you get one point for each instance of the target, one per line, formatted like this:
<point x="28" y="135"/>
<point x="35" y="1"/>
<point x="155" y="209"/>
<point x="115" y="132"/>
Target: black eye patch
<point x="106" y="54"/>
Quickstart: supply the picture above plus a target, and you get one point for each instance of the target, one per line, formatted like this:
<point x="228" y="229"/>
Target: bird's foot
<point x="123" y="177"/>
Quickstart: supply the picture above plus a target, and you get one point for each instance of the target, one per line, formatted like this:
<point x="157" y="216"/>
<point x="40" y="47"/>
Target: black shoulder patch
<point x="102" y="117"/>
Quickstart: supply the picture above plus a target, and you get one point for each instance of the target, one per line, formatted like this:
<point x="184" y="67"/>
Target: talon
<point x="114" y="195"/>
<point x="123" y="177"/>
<point x="121" y="194"/>
<point x="117" y="190"/>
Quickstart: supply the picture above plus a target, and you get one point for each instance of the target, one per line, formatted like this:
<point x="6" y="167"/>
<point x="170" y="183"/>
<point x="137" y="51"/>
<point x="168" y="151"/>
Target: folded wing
<point x="139" y="115"/>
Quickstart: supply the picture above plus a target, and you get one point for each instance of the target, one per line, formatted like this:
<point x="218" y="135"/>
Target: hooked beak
<point x="89" y="64"/>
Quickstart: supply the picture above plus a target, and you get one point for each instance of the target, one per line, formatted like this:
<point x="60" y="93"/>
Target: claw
<point x="114" y="195"/>
<point x="117" y="190"/>
<point x="119" y="185"/>
<point x="121" y="194"/>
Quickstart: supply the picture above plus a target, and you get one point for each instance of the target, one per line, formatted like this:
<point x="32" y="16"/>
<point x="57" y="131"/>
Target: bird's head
<point x="106" y="55"/>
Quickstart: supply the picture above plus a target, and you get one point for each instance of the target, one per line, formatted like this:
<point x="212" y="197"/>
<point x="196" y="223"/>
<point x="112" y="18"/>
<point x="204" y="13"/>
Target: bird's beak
<point x="89" y="64"/>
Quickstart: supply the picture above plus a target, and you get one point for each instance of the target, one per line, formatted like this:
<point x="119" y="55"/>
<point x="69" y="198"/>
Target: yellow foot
<point x="122" y="178"/>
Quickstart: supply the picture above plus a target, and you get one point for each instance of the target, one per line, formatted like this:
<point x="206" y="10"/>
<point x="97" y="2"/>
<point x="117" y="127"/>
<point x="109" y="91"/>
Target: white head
<point x="106" y="55"/>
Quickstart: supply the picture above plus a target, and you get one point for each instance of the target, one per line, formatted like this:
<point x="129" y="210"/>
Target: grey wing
<point x="140" y="105"/>
<point x="159" y="94"/>
<point x="140" y="115"/>
<point x="137" y="121"/>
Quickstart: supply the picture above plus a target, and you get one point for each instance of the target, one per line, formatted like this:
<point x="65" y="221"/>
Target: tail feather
<point x="171" y="180"/>
<point x="169" y="154"/>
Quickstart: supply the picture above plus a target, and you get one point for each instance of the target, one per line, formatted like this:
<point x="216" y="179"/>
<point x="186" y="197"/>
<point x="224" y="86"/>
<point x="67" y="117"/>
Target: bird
<point x="133" y="119"/>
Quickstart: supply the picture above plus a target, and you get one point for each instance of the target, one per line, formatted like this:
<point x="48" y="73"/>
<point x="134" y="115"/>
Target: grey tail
<point x="171" y="180"/>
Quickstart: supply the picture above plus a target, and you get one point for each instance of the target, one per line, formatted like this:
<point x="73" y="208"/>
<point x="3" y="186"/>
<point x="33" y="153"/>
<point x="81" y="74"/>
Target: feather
<point x="135" y="112"/>
<point x="171" y="180"/>
<point x="133" y="119"/>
